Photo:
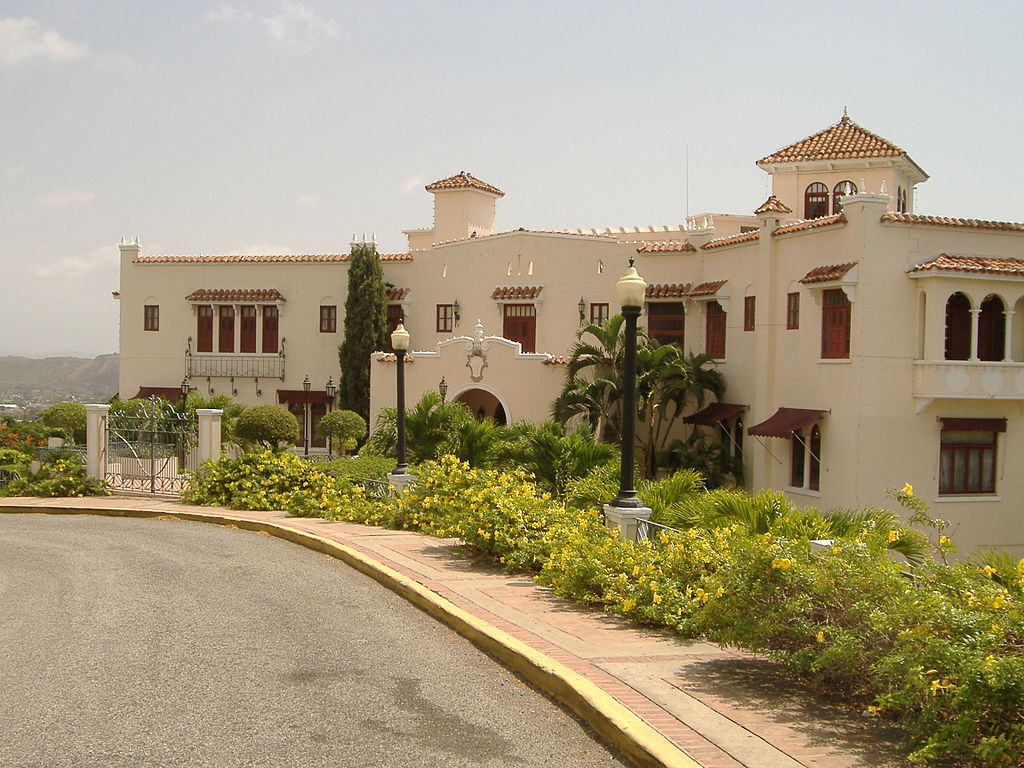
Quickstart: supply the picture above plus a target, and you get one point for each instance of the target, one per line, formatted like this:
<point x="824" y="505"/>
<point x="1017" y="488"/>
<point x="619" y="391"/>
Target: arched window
<point x="816" y="201"/>
<point x="958" y="327"/>
<point x="901" y="200"/>
<point x="842" y="189"/>
<point x="992" y="329"/>
<point x="814" y="449"/>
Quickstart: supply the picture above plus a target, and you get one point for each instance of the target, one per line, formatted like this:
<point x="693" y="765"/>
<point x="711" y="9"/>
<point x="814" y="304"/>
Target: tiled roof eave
<point x="810" y="225"/>
<point x="743" y="239"/>
<point x="964" y="274"/>
<point x="913" y="219"/>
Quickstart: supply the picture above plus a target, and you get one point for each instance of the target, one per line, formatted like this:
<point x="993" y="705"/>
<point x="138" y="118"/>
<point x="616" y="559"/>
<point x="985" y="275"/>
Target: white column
<point x="209" y="433"/>
<point x="623" y="519"/>
<point x="975" y="316"/>
<point x="1008" y="343"/>
<point x="96" y="440"/>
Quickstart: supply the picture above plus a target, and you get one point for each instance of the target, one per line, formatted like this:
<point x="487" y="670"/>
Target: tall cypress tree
<point x="366" y="327"/>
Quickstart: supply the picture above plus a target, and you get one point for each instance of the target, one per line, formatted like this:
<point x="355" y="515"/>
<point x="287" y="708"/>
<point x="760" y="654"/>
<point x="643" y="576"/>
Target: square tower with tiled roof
<point x="463" y="207"/>
<point x="812" y="175"/>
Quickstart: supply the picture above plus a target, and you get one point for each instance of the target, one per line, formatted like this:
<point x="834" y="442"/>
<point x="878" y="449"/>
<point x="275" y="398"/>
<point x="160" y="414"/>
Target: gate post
<point x="209" y="433"/>
<point x="96" y="440"/>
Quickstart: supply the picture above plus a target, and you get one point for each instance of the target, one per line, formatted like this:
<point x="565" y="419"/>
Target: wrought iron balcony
<point x="237" y="366"/>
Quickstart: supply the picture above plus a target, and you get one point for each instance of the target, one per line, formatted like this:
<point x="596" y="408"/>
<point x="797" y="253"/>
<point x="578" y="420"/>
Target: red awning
<point x="785" y="421"/>
<point x="974" y="425"/>
<point x="714" y="413"/>
<point x="170" y="394"/>
<point x="299" y="396"/>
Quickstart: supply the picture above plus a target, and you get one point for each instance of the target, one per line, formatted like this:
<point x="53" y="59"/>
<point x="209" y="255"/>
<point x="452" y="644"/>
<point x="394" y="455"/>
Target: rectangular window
<point x="226" y="330"/>
<point x="520" y="324"/>
<point x="715" y="342"/>
<point x="598" y="314"/>
<point x="445" y="316"/>
<point x="204" y="328"/>
<point x="748" y="312"/>
<point x="151" y="317"/>
<point x="328" y="319"/>
<point x="270" y="326"/>
<point x="666" y="322"/>
<point x="835" y="325"/>
<point x="792" y="311"/>
<point x="967" y="462"/>
<point x="248" y="322"/>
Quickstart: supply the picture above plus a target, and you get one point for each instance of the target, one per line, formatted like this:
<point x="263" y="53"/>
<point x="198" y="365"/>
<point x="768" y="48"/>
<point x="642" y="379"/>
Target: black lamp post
<point x="306" y="384"/>
<point x="442" y="388"/>
<point x="332" y="389"/>
<point x="185" y="389"/>
<point x="582" y="306"/>
<point x="456" y="312"/>
<point x="400" y="343"/>
<point x="631" y="289"/>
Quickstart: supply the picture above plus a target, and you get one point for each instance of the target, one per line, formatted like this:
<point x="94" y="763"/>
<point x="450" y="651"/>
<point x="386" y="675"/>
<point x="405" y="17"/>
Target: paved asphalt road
<point x="142" y="643"/>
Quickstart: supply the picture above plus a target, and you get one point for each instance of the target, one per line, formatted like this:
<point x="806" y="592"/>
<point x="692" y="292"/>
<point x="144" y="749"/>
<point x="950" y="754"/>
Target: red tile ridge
<point x="947" y="221"/>
<point x="744" y="237"/>
<point x="235" y="294"/>
<point x="707" y="289"/>
<point x="463" y="180"/>
<point x="773" y="205"/>
<point x="946" y="262"/>
<point x="667" y="246"/>
<point x="515" y="292"/>
<point x="667" y="290"/>
<point x="397" y="294"/>
<point x="827" y="274"/>
<point x="803" y="226"/>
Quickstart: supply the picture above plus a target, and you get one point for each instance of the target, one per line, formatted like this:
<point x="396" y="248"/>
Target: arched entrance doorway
<point x="483" y="404"/>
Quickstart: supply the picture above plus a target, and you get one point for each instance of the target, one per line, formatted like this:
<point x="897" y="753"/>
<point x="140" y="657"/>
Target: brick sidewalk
<point x="726" y="709"/>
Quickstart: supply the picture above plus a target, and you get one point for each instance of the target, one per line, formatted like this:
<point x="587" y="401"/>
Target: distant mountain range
<point x="27" y="381"/>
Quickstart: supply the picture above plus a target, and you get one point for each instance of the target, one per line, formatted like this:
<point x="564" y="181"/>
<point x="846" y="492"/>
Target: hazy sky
<point x="287" y="125"/>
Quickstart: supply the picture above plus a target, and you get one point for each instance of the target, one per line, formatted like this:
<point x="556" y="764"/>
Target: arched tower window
<point x="842" y="189"/>
<point x="992" y="329"/>
<point x="816" y="201"/>
<point x="958" y="327"/>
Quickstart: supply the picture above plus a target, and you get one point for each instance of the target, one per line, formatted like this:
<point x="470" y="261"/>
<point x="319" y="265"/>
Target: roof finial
<point x="846" y="117"/>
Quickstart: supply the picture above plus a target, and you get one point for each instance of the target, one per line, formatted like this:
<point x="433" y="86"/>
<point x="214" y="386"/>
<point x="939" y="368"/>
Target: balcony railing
<point x="968" y="379"/>
<point x="238" y="366"/>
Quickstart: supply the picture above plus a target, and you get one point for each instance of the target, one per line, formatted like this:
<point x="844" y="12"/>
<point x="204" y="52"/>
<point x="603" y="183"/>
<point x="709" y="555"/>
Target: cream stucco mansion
<point x="864" y="346"/>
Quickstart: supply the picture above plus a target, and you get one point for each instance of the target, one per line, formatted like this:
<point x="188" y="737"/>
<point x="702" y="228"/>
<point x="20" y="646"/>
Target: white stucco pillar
<point x="1008" y="343"/>
<point x="975" y="316"/>
<point x="209" y="433"/>
<point x="96" y="440"/>
<point x="623" y="519"/>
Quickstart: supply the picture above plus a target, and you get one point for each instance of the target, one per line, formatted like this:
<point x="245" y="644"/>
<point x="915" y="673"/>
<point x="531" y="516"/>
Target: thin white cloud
<point x="23" y="39"/>
<point x="62" y="197"/>
<point x="288" y="23"/>
<point x="413" y="183"/>
<point x="104" y="258"/>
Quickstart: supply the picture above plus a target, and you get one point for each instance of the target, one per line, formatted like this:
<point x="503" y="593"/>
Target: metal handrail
<point x="649" y="530"/>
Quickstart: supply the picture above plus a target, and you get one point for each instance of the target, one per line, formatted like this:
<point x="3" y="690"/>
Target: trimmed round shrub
<point x="345" y="428"/>
<point x="69" y="417"/>
<point x="267" y="425"/>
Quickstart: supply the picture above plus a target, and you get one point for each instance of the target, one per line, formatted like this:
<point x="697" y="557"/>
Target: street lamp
<point x="400" y="343"/>
<point x="442" y="388"/>
<point x="185" y="389"/>
<point x="582" y="307"/>
<point x="306" y="384"/>
<point x="332" y="389"/>
<point x="631" y="289"/>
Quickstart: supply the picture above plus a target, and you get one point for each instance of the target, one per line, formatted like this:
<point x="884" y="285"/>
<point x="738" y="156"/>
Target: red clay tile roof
<point x="236" y="294"/>
<point x="843" y="140"/>
<point x="745" y="237"/>
<point x="667" y="290"/>
<point x="463" y="180"/>
<point x="558" y="360"/>
<point x="944" y="221"/>
<point x="517" y="292"/>
<point x="707" y="289"/>
<point x="773" y="205"/>
<point x="828" y="274"/>
<point x="945" y="262"/>
<point x="803" y="226"/>
<point x="397" y="294"/>
<point x="259" y="258"/>
<point x="666" y="246"/>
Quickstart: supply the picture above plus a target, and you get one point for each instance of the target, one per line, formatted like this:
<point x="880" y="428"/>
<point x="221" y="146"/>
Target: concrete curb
<point x="623" y="729"/>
